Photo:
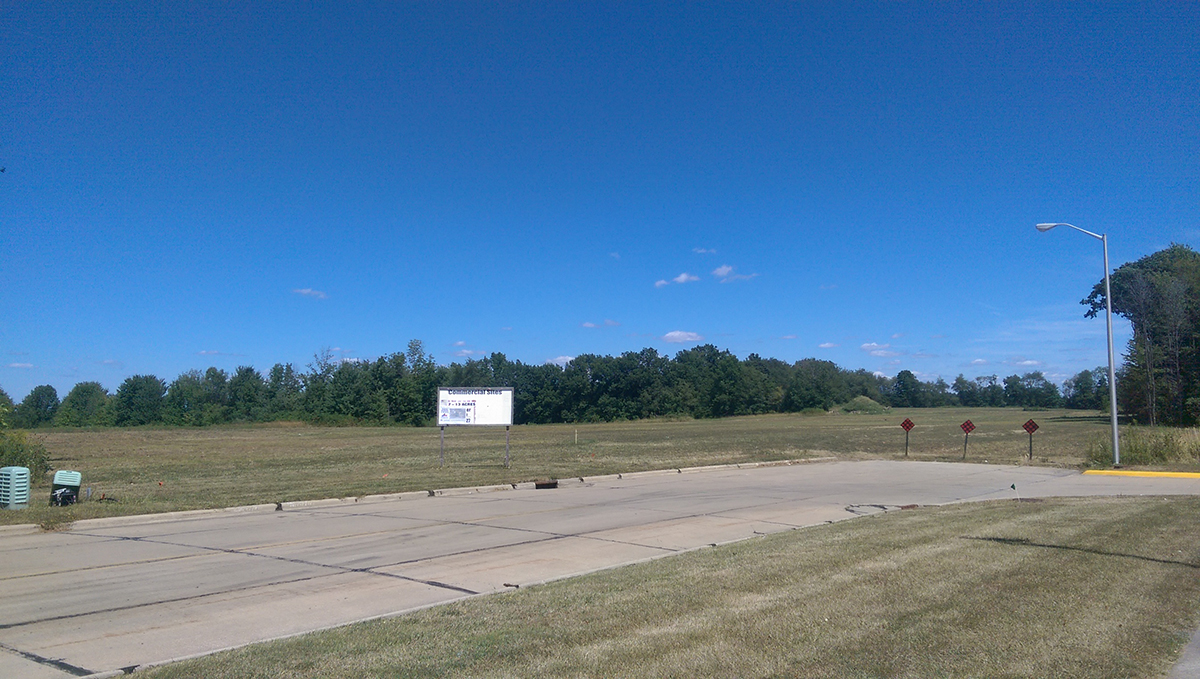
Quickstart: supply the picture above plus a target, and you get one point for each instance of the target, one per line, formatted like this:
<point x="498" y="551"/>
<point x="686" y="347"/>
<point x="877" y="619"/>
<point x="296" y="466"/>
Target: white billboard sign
<point x="485" y="406"/>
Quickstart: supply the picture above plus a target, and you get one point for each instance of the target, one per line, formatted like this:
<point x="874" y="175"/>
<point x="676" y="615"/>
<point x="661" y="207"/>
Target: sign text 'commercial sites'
<point x="490" y="406"/>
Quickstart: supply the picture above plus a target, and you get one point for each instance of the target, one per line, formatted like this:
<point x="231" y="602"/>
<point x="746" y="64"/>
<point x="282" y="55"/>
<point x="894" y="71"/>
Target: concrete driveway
<point x="115" y="594"/>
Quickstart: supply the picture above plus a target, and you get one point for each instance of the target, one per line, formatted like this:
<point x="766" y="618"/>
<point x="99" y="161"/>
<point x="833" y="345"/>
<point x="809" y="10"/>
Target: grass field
<point x="1073" y="587"/>
<point x="146" y="470"/>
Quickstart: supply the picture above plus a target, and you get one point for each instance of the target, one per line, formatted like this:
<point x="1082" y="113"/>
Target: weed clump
<point x="16" y="450"/>
<point x="1149" y="446"/>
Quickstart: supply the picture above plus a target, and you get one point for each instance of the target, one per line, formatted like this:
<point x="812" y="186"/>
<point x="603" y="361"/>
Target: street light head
<point x="1046" y="227"/>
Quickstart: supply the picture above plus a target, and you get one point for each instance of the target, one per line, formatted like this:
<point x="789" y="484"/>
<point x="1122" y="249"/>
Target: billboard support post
<point x="476" y="407"/>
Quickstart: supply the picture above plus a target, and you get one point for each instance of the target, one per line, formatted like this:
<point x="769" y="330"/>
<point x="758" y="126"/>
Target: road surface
<point x="114" y="594"/>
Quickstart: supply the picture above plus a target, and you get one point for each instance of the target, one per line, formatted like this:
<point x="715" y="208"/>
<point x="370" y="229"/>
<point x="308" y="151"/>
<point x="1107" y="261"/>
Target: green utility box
<point x="65" y="490"/>
<point x="14" y="487"/>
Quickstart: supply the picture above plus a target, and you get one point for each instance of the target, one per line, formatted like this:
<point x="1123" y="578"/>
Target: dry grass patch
<point x="1061" y="588"/>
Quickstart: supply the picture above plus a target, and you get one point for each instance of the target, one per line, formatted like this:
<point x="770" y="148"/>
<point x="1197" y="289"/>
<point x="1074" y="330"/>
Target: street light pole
<point x="1112" y="376"/>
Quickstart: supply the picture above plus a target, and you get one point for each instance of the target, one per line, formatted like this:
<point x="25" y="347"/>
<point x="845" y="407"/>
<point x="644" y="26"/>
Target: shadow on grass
<point x="1024" y="542"/>
<point x="1098" y="419"/>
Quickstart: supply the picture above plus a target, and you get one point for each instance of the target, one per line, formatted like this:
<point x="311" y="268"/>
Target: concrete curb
<point x="20" y="529"/>
<point x="1144" y="475"/>
<point x="142" y="519"/>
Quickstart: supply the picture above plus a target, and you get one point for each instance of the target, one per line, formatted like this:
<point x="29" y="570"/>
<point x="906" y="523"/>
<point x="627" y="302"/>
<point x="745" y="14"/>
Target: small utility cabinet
<point x="14" y="487"/>
<point x="65" y="490"/>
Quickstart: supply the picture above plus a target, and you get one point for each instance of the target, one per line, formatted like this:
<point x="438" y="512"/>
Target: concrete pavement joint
<point x="301" y="562"/>
<point x="197" y="597"/>
<point x="293" y="635"/>
<point x="98" y="568"/>
<point x="51" y="662"/>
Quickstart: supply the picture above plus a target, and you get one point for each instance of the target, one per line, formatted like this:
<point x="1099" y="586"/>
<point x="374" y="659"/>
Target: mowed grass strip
<point x="1105" y="587"/>
<point x="150" y="470"/>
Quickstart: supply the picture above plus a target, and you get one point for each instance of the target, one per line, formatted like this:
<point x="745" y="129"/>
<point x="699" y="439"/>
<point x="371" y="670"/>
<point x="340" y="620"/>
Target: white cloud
<point x="878" y="374"/>
<point x="309" y="292"/>
<point x="589" y="324"/>
<point x="740" y="277"/>
<point x="979" y="361"/>
<point x="879" y="350"/>
<point x="561" y="361"/>
<point x="467" y="353"/>
<point x="703" y="251"/>
<point x="614" y="255"/>
<point x="506" y="328"/>
<point x="826" y="345"/>
<point x="1028" y="362"/>
<point x="460" y="343"/>
<point x="897" y="335"/>
<point x="208" y="352"/>
<point x="20" y="365"/>
<point x="726" y="274"/>
<point x="831" y="286"/>
<point x="788" y="337"/>
<point x="611" y="323"/>
<point x="680" y="336"/>
<point x="660" y="283"/>
<point x="685" y="277"/>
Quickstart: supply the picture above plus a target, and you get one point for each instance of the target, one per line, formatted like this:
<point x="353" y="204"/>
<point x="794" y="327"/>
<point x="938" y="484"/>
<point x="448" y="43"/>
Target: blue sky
<point x="222" y="184"/>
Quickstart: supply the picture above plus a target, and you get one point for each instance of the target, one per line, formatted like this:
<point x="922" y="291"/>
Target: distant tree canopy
<point x="1159" y="382"/>
<point x="6" y="408"/>
<point x="37" y="408"/>
<point x="86" y="405"/>
<point x="401" y="388"/>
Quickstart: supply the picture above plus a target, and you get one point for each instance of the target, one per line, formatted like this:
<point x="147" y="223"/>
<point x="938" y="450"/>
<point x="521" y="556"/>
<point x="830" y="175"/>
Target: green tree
<point x="1160" y="295"/>
<point x="815" y="384"/>
<point x="1081" y="391"/>
<point x="185" y="400"/>
<point x="285" y="392"/>
<point x="991" y="392"/>
<point x="1014" y="391"/>
<point x="86" y="405"/>
<point x="139" y="400"/>
<point x="6" y="408"/>
<point x="316" y="383"/>
<point x="37" y="408"/>
<point x="908" y="391"/>
<point x="967" y="391"/>
<point x="247" y="395"/>
<point x="215" y="385"/>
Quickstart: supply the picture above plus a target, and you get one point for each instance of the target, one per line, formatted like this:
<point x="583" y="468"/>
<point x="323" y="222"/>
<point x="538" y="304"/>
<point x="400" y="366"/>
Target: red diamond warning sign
<point x="907" y="424"/>
<point x="967" y="427"/>
<point x="1030" y="426"/>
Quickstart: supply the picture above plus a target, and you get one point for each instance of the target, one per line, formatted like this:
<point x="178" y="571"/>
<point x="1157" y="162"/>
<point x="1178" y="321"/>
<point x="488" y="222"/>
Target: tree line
<point x="401" y="388"/>
<point x="1159" y="381"/>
